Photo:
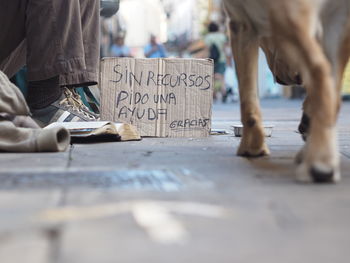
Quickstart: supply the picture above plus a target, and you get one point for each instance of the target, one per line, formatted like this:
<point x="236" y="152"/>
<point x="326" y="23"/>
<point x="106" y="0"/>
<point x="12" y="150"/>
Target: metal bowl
<point x="238" y="130"/>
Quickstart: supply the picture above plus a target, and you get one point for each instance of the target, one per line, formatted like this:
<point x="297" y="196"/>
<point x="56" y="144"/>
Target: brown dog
<point x="313" y="36"/>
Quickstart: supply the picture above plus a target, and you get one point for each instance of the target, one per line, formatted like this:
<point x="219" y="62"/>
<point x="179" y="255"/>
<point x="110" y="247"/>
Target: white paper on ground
<point x="81" y="125"/>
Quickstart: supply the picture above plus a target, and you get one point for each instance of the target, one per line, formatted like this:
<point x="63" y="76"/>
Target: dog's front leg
<point x="319" y="159"/>
<point x="245" y="48"/>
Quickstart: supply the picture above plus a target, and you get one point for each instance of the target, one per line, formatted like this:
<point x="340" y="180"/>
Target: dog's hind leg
<point x="292" y="24"/>
<point x="336" y="44"/>
<point x="245" y="48"/>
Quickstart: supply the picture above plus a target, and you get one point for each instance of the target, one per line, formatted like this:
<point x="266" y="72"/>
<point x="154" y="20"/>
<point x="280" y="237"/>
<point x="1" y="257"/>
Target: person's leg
<point x="61" y="41"/>
<point x="62" y="38"/>
<point x="90" y="27"/>
<point x="13" y="51"/>
<point x="63" y="47"/>
<point x="12" y="35"/>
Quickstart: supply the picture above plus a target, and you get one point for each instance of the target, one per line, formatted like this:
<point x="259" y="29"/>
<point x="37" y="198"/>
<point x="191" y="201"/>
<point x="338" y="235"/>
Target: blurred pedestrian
<point x="119" y="49"/>
<point x="215" y="42"/>
<point x="154" y="49"/>
<point x="58" y="40"/>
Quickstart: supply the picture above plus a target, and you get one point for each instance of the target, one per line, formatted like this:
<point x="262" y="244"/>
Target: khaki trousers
<point x="51" y="37"/>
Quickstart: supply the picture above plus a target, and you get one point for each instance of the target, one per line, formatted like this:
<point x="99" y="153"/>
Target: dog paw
<point x="253" y="152"/>
<point x="317" y="173"/>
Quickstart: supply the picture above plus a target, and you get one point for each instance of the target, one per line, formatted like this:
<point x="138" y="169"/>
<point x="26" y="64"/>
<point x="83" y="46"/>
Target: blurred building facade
<point x="173" y="21"/>
<point x="186" y="19"/>
<point x="136" y="20"/>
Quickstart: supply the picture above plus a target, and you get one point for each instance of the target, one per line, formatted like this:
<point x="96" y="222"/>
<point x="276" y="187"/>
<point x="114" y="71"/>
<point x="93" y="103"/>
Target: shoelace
<point x="74" y="102"/>
<point x="83" y="106"/>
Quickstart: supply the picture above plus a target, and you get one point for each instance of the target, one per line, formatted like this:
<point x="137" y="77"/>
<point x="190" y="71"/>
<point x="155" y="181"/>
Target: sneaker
<point x="68" y="108"/>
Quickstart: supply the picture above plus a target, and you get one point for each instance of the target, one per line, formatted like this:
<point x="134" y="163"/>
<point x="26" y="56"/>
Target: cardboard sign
<point x="161" y="97"/>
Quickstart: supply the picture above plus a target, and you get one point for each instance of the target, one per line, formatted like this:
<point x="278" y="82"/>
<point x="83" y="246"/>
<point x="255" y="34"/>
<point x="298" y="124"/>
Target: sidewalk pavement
<point x="176" y="200"/>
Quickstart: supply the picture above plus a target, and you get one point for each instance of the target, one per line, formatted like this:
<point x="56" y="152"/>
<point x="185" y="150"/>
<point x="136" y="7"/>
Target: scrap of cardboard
<point x="161" y="97"/>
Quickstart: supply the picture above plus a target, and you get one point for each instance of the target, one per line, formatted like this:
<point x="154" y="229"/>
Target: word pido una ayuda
<point x="150" y="78"/>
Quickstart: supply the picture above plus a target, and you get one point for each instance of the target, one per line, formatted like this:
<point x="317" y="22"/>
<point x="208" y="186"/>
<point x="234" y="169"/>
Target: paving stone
<point x="18" y="209"/>
<point x="24" y="247"/>
<point x="32" y="161"/>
